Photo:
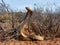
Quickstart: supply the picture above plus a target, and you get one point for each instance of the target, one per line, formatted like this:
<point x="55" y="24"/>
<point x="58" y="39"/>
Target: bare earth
<point x="55" y="41"/>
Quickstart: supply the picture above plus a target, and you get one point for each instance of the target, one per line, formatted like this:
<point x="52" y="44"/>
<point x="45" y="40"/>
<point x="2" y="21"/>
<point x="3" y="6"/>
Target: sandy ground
<point x="55" y="41"/>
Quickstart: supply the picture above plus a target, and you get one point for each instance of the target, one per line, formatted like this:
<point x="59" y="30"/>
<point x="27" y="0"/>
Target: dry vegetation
<point x="45" y="24"/>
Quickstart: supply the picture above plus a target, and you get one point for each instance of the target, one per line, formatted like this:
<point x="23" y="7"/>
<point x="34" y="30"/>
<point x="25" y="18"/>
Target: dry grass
<point x="40" y="25"/>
